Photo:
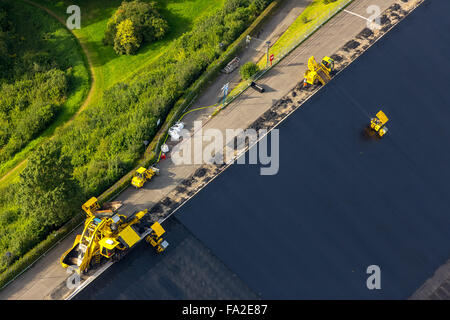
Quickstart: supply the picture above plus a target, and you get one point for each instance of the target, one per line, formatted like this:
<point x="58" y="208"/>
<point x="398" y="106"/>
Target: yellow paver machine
<point x="108" y="235"/>
<point x="318" y="73"/>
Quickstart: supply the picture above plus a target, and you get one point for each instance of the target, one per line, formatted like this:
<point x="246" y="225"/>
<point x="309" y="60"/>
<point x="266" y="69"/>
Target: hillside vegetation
<point x="43" y="77"/>
<point x="110" y="68"/>
<point x="106" y="139"/>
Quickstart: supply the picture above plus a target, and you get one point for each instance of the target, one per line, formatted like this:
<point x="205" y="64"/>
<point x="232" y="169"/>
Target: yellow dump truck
<point x="108" y="235"/>
<point x="142" y="175"/>
<point x="318" y="73"/>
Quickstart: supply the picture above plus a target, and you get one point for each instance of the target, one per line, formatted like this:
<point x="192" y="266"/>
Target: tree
<point x="126" y="40"/>
<point x="48" y="192"/>
<point x="147" y="23"/>
<point x="4" y="42"/>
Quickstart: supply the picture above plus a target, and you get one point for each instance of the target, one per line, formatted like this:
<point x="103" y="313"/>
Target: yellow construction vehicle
<point x="108" y="235"/>
<point x="142" y="175"/>
<point x="318" y="72"/>
<point x="378" y="123"/>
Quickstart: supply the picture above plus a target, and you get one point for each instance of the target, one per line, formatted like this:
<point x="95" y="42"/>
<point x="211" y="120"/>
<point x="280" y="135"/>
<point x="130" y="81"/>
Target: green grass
<point x="67" y="52"/>
<point x="109" y="68"/>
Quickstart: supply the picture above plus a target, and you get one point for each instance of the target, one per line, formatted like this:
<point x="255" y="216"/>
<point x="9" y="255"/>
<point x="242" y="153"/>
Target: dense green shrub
<point x="132" y="24"/>
<point x="45" y="197"/>
<point x="47" y="191"/>
<point x="248" y="70"/>
<point x="27" y="107"/>
<point x="5" y="29"/>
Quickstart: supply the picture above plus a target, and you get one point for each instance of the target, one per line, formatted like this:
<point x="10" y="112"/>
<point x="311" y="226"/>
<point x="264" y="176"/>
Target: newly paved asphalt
<point x="187" y="271"/>
<point x="342" y="200"/>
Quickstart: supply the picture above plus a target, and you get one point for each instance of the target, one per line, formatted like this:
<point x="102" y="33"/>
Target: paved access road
<point x="47" y="275"/>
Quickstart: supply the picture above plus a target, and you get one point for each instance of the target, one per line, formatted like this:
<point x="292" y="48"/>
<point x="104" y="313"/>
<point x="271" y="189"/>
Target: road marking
<point x="355" y="14"/>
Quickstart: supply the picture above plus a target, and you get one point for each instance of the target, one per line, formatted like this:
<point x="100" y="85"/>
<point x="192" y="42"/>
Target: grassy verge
<point x="313" y="13"/>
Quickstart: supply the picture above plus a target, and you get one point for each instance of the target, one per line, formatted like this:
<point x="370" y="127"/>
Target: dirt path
<point x="90" y="93"/>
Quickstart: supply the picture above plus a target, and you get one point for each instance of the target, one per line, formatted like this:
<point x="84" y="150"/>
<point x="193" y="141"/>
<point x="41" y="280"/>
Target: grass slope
<point x="65" y="51"/>
<point x="109" y="68"/>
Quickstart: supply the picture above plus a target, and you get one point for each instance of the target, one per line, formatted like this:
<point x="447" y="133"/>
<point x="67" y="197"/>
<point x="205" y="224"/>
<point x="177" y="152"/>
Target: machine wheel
<point x="118" y="256"/>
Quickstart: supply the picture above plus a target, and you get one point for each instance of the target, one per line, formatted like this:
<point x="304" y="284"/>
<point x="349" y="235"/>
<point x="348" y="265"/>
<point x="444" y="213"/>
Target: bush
<point x="48" y="193"/>
<point x="248" y="70"/>
<point x="127" y="41"/>
<point x="132" y="24"/>
<point x="5" y="28"/>
<point x="27" y="107"/>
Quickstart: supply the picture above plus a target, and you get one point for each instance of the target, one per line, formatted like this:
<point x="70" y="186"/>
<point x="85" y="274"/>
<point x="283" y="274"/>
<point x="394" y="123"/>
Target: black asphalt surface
<point x="186" y="270"/>
<point x="342" y="200"/>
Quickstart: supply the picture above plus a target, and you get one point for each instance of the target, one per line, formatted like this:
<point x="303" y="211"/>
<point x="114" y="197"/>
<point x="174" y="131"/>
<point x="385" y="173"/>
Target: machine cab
<point x="140" y="173"/>
<point x="328" y="63"/>
<point x="139" y="177"/>
<point x="108" y="246"/>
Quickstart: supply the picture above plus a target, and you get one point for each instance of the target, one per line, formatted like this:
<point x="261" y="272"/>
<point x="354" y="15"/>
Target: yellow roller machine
<point x="142" y="175"/>
<point x="318" y="73"/>
<point x="378" y="123"/>
<point x="109" y="235"/>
